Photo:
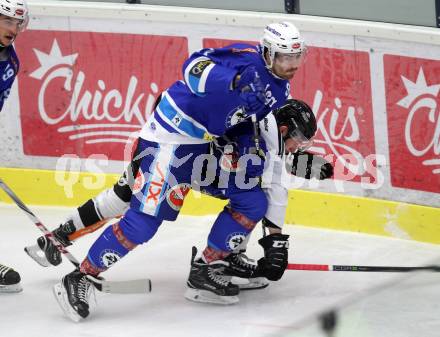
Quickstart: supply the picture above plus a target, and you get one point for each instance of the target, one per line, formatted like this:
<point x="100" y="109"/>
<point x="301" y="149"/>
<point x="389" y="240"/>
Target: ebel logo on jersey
<point x="79" y="94"/>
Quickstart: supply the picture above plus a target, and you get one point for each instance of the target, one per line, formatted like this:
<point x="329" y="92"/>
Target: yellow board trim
<point x="314" y="209"/>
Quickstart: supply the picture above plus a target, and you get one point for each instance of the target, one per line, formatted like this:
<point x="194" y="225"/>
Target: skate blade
<point x="251" y="283"/>
<point x="61" y="297"/>
<point x="11" y="288"/>
<point x="34" y="252"/>
<point x="204" y="296"/>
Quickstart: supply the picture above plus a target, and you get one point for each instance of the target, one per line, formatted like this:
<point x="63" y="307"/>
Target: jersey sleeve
<point x="202" y="74"/>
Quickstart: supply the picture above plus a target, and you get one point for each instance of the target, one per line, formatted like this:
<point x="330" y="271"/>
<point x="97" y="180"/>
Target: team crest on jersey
<point x="234" y="240"/>
<point x="176" y="195"/>
<point x="236" y="116"/>
<point x="109" y="257"/>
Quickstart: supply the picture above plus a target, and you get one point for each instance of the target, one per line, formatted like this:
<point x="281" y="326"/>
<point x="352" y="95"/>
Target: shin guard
<point x="109" y="248"/>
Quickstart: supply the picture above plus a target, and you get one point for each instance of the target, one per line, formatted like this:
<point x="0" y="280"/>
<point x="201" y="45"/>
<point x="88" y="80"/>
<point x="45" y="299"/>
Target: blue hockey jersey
<point x="8" y="72"/>
<point x="204" y="104"/>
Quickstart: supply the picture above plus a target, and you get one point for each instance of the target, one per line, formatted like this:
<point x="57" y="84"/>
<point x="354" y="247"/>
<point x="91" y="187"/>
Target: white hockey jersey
<point x="275" y="180"/>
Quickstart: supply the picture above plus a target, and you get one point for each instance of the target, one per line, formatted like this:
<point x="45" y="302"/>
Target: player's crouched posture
<point x="284" y="131"/>
<point x="288" y="130"/>
<point x="221" y="88"/>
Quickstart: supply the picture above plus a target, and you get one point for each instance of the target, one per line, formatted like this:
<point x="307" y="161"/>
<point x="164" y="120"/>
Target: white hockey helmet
<point x="282" y="38"/>
<point x="16" y="9"/>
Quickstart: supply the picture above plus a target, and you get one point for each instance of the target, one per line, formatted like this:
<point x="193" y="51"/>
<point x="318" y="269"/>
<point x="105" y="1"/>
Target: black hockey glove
<point x="307" y="165"/>
<point x="275" y="260"/>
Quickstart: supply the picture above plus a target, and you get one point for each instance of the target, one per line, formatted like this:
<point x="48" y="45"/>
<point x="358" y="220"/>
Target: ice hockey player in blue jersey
<point x="221" y="89"/>
<point x="13" y="19"/>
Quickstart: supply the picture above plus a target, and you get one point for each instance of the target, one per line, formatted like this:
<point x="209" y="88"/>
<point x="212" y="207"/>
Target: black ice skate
<point x="207" y="283"/>
<point x="244" y="272"/>
<point x="44" y="252"/>
<point x="73" y="293"/>
<point x="9" y="280"/>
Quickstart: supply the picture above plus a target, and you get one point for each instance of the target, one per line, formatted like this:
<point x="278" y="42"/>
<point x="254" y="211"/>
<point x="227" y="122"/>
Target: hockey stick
<point x="383" y="269"/>
<point x="133" y="286"/>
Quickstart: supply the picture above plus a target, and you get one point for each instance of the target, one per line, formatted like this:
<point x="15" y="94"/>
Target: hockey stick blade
<point x="121" y="287"/>
<point x="383" y="269"/>
<point x="140" y="286"/>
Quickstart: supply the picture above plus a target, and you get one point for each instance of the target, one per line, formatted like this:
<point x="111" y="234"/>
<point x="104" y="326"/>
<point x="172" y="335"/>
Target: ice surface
<point x="285" y="308"/>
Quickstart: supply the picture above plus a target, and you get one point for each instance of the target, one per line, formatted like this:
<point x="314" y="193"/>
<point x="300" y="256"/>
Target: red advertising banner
<point x="413" y="110"/>
<point x="86" y="93"/>
<point x="337" y="84"/>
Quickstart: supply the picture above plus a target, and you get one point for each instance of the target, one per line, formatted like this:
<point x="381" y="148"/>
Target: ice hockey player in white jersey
<point x="289" y="129"/>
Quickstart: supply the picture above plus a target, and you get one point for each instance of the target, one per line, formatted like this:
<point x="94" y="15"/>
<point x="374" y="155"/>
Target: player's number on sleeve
<point x="9" y="72"/>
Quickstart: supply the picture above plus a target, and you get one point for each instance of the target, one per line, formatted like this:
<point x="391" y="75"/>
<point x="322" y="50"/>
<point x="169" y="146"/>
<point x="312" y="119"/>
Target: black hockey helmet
<point x="299" y="118"/>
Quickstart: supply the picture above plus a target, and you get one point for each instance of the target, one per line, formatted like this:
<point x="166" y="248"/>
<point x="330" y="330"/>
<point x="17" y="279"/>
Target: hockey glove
<point x="255" y="162"/>
<point x="275" y="260"/>
<point x="251" y="90"/>
<point x="307" y="165"/>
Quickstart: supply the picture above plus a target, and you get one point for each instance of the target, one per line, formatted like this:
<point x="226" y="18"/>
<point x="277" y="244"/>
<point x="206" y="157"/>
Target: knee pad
<point x="139" y="227"/>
